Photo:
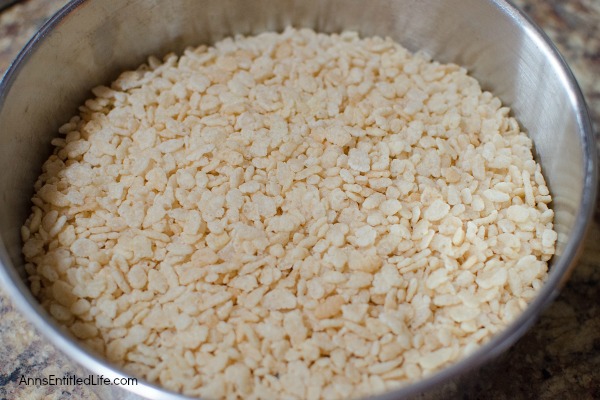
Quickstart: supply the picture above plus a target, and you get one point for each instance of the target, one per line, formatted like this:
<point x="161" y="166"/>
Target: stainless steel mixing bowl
<point x="89" y="41"/>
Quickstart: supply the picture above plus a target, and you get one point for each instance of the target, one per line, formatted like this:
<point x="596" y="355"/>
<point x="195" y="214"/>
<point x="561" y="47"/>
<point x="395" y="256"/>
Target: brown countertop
<point x="559" y="358"/>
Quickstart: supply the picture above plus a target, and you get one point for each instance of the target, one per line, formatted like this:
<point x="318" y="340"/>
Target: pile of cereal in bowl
<point x="293" y="215"/>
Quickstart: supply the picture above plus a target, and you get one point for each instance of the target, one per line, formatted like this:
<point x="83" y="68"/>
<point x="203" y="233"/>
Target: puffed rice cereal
<point x="293" y="215"/>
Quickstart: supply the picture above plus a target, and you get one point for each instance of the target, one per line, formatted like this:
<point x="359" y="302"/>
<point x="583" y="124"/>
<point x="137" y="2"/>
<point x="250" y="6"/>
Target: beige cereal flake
<point x="292" y="215"/>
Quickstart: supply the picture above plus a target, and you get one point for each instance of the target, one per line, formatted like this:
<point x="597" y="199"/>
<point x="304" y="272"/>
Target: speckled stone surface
<point x="559" y="358"/>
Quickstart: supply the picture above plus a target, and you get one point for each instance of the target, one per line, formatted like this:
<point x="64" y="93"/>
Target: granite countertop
<point x="559" y="358"/>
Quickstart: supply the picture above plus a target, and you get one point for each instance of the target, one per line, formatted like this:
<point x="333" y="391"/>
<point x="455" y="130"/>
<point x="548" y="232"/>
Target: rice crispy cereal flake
<point x="292" y="215"/>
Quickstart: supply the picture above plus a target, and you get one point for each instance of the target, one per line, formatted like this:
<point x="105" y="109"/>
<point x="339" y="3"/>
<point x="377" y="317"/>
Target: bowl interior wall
<point x="103" y="37"/>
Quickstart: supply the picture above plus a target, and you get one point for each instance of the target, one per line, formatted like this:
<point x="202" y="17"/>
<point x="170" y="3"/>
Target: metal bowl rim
<point x="29" y="306"/>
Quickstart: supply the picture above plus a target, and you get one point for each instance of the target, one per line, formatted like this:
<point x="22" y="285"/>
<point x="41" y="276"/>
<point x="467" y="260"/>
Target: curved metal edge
<point x="13" y="284"/>
<point x="36" y="315"/>
<point x="568" y="259"/>
<point x="31" y="45"/>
